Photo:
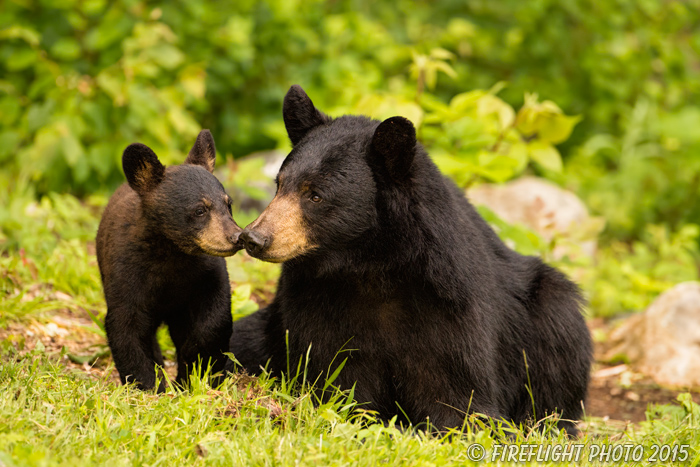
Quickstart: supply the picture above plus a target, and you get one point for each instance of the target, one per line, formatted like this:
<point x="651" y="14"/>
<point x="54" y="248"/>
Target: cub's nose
<point x="235" y="237"/>
<point x="254" y="242"/>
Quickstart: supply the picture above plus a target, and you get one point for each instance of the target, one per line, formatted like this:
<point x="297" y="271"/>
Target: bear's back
<point x="116" y="229"/>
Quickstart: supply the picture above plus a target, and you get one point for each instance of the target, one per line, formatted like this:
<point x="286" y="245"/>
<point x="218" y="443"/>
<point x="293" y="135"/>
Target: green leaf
<point x="441" y="54"/>
<point x="241" y="304"/>
<point x="80" y="359"/>
<point x="518" y="237"/>
<point x="517" y="150"/>
<point x="113" y="27"/>
<point x="39" y="114"/>
<point x="335" y="374"/>
<point x="21" y="59"/>
<point x="466" y="100"/>
<point x="73" y="151"/>
<point x="193" y="80"/>
<point x="101" y="157"/>
<point x="9" y="139"/>
<point x="66" y="49"/>
<point x="112" y="83"/>
<point x="496" y="167"/>
<point x="383" y="106"/>
<point x="446" y="68"/>
<point x="182" y="122"/>
<point x="30" y="36"/>
<point x="461" y="170"/>
<point x="92" y="7"/>
<point x="9" y="110"/>
<point x="490" y="104"/>
<point x="545" y="155"/>
<point x="556" y="128"/>
<point x="166" y="55"/>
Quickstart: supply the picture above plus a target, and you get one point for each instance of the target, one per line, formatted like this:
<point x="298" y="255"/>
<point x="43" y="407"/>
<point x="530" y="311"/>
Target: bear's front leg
<point x="256" y="338"/>
<point x="132" y="340"/>
<point x="446" y="392"/>
<point x="201" y="341"/>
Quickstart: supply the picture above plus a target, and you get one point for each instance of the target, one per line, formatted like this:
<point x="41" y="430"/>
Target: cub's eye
<point x="229" y="208"/>
<point x="315" y="197"/>
<point x="199" y="212"/>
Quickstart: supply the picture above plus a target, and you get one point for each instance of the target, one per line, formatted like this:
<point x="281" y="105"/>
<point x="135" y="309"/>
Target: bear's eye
<point x="199" y="212"/>
<point x="315" y="197"/>
<point x="229" y="208"/>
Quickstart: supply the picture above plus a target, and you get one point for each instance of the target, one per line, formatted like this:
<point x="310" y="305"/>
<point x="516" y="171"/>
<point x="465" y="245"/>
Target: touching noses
<point x="254" y="242"/>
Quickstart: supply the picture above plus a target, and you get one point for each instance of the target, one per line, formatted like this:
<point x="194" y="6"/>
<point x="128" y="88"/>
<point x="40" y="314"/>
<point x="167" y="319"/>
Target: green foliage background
<point x="600" y="97"/>
<point x="614" y="117"/>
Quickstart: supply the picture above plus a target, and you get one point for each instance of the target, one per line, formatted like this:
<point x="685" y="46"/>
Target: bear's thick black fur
<point x="385" y="256"/>
<point x="160" y="248"/>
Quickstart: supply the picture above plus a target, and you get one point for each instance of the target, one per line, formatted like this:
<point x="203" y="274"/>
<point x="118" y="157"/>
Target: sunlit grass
<point x="52" y="415"/>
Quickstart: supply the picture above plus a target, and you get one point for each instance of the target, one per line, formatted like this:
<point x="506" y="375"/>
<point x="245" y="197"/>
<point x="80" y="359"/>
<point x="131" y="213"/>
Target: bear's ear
<point x="203" y="152"/>
<point x="394" y="146"/>
<point x="142" y="168"/>
<point x="300" y="115"/>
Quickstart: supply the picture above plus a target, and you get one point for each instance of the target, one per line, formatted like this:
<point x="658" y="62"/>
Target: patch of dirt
<point x="618" y="392"/>
<point x="70" y="332"/>
<point x="251" y="393"/>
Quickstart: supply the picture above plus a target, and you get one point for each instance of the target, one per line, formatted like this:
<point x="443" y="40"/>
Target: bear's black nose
<point x="254" y="242"/>
<point x="234" y="238"/>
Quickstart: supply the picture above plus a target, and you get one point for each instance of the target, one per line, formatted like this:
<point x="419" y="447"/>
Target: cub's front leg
<point x="202" y="339"/>
<point x="132" y="338"/>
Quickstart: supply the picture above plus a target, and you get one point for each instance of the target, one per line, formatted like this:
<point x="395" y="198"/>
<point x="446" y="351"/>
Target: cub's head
<point x="328" y="186"/>
<point x="185" y="203"/>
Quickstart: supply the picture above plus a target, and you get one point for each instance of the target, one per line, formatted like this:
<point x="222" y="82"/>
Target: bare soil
<point x="618" y="392"/>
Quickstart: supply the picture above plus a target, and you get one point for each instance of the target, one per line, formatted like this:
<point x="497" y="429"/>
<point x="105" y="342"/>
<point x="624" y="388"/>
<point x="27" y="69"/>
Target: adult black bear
<point x="384" y="256"/>
<point x="154" y="249"/>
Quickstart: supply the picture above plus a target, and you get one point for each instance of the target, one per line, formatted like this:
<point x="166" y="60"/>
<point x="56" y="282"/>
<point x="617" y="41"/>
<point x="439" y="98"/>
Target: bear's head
<point x="184" y="203"/>
<point x="334" y="189"/>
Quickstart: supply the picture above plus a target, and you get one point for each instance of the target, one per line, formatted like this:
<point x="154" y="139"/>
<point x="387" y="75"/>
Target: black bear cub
<point x="385" y="258"/>
<point x="160" y="249"/>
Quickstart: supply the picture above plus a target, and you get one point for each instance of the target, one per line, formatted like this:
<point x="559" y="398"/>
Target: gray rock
<point x="543" y="207"/>
<point x="664" y="341"/>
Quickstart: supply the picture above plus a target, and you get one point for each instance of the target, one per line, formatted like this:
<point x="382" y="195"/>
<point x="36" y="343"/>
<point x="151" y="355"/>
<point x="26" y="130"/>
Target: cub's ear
<point x="203" y="152"/>
<point x="142" y="168"/>
<point x="300" y="115"/>
<point x="394" y="146"/>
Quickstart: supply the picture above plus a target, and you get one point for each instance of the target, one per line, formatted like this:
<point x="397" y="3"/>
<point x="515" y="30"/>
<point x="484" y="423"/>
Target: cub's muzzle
<point x="221" y="237"/>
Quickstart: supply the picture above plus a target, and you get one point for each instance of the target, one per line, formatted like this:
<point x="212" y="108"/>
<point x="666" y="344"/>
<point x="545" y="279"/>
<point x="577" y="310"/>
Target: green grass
<point x="53" y="415"/>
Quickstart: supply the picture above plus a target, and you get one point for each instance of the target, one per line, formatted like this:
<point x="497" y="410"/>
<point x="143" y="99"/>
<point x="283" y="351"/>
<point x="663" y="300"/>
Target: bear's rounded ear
<point x="300" y="115"/>
<point x="203" y="152"/>
<point x="142" y="168"/>
<point x="394" y="146"/>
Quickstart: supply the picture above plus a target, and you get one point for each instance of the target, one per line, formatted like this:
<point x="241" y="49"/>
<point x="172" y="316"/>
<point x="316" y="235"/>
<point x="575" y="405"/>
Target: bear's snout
<point x="254" y="242"/>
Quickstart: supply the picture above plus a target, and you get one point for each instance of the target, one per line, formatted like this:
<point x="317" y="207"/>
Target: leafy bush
<point x="480" y="136"/>
<point x="628" y="277"/>
<point x="594" y="59"/>
<point x="81" y="80"/>
<point x="648" y="176"/>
